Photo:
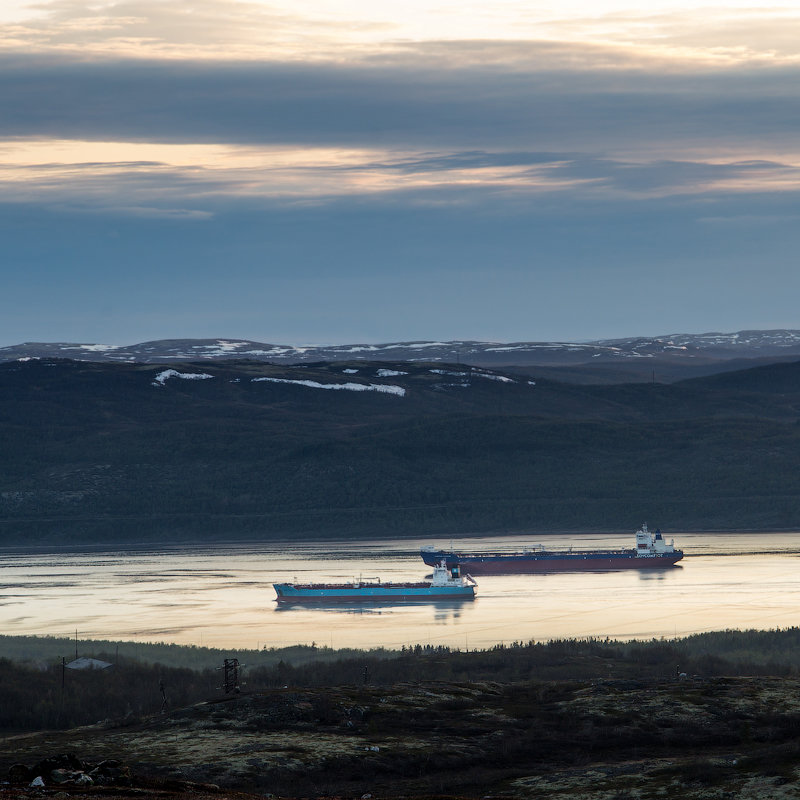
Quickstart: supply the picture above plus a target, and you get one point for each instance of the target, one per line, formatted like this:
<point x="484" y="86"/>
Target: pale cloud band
<point x="193" y="180"/>
<point x="721" y="31"/>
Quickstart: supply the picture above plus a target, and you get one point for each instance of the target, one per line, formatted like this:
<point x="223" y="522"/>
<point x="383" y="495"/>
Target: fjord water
<point x="222" y="596"/>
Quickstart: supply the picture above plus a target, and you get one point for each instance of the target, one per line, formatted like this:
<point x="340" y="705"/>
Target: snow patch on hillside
<point x="93" y="348"/>
<point x="222" y="347"/>
<point x="162" y="377"/>
<point x="352" y="387"/>
<point x="533" y="346"/>
<point x="489" y="376"/>
<point x="418" y="345"/>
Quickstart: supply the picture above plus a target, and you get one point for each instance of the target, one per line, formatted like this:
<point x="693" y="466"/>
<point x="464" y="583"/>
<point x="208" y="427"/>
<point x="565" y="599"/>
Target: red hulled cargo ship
<point x="651" y="552"/>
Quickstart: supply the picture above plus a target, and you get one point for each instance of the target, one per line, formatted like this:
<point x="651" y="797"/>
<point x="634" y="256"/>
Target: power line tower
<point x="230" y="676"/>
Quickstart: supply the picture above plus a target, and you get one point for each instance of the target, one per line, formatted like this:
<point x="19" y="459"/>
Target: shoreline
<point x="216" y="544"/>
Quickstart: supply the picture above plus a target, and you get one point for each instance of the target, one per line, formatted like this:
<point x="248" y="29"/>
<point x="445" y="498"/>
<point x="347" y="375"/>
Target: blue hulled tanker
<point x="447" y="583"/>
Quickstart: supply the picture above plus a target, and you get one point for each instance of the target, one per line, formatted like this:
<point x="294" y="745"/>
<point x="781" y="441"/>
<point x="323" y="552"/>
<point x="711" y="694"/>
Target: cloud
<point x="144" y="28"/>
<point x="329" y="29"/>
<point x="753" y="220"/>
<point x="196" y="181"/>
<point x="402" y="106"/>
<point x="724" y="34"/>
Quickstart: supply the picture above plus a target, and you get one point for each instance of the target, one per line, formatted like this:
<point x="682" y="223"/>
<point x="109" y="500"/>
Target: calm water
<point x="222" y="596"/>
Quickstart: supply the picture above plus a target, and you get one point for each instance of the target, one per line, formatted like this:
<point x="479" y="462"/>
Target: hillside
<point x="602" y="738"/>
<point x="565" y="719"/>
<point x="97" y="452"/>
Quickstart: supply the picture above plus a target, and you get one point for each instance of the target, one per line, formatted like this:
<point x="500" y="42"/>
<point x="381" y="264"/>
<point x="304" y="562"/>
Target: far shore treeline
<point x="111" y="453"/>
<point x="36" y="693"/>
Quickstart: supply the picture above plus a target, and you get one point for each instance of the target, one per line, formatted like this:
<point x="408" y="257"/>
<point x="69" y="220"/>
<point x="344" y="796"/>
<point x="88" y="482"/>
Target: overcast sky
<point x="331" y="171"/>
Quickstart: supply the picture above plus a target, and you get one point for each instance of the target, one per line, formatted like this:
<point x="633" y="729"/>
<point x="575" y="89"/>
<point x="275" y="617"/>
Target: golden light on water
<point x="223" y="597"/>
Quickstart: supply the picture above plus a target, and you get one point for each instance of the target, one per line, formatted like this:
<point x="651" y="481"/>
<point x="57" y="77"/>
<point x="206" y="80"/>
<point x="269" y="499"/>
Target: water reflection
<point x="444" y="609"/>
<point x="659" y="574"/>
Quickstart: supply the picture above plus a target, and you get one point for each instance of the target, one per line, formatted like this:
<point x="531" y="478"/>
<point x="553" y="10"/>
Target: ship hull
<point x="290" y="593"/>
<point x="515" y="563"/>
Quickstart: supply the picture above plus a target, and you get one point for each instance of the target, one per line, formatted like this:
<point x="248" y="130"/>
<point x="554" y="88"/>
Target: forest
<point x="104" y="454"/>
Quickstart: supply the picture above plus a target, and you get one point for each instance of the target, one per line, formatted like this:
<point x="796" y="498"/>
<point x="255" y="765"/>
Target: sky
<point x="342" y="171"/>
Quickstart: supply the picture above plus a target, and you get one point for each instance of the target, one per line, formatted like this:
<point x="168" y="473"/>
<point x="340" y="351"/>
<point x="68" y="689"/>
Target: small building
<point x="88" y="663"/>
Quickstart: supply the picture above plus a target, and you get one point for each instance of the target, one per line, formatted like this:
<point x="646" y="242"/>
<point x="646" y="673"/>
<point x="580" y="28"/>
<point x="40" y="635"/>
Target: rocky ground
<point x="601" y="740"/>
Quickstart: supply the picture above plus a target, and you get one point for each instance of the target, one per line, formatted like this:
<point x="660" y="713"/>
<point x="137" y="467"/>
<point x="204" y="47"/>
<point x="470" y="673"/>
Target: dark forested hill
<point x="243" y="449"/>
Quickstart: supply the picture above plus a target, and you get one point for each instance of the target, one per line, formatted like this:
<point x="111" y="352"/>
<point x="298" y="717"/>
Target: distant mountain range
<point x="662" y="358"/>
<point x="744" y="344"/>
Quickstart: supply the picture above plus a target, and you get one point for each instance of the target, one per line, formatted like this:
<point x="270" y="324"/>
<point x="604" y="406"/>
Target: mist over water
<point x="222" y="596"/>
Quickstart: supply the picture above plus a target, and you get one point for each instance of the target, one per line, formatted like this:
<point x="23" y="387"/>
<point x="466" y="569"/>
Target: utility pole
<point x="63" y="680"/>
